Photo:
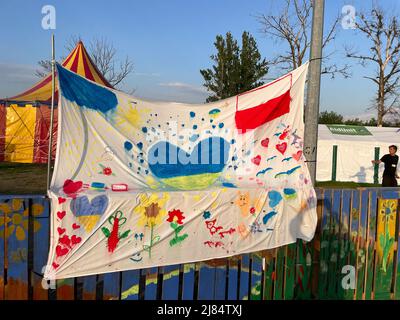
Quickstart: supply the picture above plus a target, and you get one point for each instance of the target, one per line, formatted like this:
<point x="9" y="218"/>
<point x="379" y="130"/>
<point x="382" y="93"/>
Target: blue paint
<point x="206" y="215"/>
<point x="268" y="216"/>
<point x="82" y="207"/>
<point x="274" y="198"/>
<point x="221" y="125"/>
<point x="228" y="185"/>
<point x="263" y="171"/>
<point x="167" y="160"/>
<point x="140" y="145"/>
<point x="194" y="137"/>
<point x="128" y="146"/>
<point x="195" y="126"/>
<point x="85" y="93"/>
<point x="192" y="114"/>
<point x="214" y="112"/>
<point x="289" y="191"/>
<point x="289" y="172"/>
<point x="144" y="129"/>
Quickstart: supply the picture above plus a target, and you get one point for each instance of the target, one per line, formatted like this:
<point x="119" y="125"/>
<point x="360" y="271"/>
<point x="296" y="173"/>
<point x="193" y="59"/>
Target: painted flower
<point x="388" y="210"/>
<point x="15" y="218"/>
<point x="107" y="171"/>
<point x="151" y="209"/>
<point x="175" y="216"/>
<point x="206" y="215"/>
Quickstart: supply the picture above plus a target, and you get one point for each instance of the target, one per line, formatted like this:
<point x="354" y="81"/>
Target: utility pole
<point x="313" y="88"/>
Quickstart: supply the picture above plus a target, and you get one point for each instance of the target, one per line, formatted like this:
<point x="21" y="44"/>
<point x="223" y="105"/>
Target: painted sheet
<point x="140" y="184"/>
<point x="20" y="132"/>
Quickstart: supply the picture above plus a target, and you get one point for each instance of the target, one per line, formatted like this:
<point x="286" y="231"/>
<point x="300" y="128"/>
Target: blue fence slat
<point x="17" y="250"/>
<point x="220" y="280"/>
<point x="111" y="286"/>
<point x="188" y="281"/>
<point x="233" y="276"/>
<point x="256" y="275"/>
<point x="150" y="291"/>
<point x="40" y="214"/>
<point x="130" y="285"/>
<point x="88" y="286"/>
<point x="324" y="250"/>
<point x="170" y="286"/>
<point x="3" y="210"/>
<point x="244" y="277"/>
<point x="362" y="245"/>
<point x="206" y="281"/>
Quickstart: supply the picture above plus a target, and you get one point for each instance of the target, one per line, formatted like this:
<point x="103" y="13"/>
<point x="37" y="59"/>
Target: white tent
<point x="355" y="150"/>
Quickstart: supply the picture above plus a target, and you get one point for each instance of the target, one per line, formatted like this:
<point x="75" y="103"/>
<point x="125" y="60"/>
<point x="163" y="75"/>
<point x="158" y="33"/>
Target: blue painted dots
<point x="144" y="129"/>
<point x="192" y="114"/>
<point x="128" y="146"/>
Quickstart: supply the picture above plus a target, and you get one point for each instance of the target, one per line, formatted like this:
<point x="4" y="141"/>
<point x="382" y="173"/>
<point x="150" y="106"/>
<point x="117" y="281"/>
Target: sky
<point x="169" y="42"/>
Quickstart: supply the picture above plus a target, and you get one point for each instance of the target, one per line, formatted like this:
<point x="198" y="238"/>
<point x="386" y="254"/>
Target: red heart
<point x="75" y="239"/>
<point x="61" y="200"/>
<point x="252" y="210"/>
<point x="61" y="214"/>
<point x="281" y="147"/>
<point x="75" y="226"/>
<point x="60" y="230"/>
<point x="61" y="251"/>
<point x="297" y="155"/>
<point x="65" y="240"/>
<point x="71" y="187"/>
<point x="256" y="160"/>
<point x="265" y="142"/>
<point x="55" y="265"/>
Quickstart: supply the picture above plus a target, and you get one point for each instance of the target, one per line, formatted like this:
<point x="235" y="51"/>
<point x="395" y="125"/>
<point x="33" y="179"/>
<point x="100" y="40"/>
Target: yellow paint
<point x="193" y="182"/>
<point x="20" y="134"/>
<point x="88" y="222"/>
<point x="386" y="224"/>
<point x="131" y="291"/>
<point x="151" y="208"/>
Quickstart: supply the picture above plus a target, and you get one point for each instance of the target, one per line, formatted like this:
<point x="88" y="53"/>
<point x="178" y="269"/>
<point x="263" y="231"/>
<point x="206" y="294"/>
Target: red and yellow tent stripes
<point x="25" y="118"/>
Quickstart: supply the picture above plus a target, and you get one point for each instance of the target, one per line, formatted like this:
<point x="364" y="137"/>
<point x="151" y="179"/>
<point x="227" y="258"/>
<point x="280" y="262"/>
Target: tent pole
<point x="53" y="62"/>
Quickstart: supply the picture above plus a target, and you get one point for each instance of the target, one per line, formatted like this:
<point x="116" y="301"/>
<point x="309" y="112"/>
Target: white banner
<point x="139" y="184"/>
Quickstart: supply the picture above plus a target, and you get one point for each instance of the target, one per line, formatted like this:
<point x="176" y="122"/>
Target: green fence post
<point x="376" y="166"/>
<point x="334" y="163"/>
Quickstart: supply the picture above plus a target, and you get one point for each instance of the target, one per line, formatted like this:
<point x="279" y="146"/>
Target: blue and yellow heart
<point x="181" y="170"/>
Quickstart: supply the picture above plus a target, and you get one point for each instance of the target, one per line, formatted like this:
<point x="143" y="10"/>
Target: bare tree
<point x="383" y="32"/>
<point x="103" y="54"/>
<point x="292" y="27"/>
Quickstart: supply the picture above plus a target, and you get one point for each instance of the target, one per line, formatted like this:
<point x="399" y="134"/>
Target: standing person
<point x="389" y="174"/>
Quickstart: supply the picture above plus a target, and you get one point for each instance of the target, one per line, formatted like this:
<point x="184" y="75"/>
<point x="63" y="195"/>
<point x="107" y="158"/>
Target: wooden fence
<point x="354" y="255"/>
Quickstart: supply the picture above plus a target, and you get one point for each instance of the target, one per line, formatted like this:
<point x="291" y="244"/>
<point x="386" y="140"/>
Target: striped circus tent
<point x="25" y="118"/>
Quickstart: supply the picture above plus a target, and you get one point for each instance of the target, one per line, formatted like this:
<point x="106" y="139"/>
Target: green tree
<point x="330" y="117"/>
<point x="354" y="122"/>
<point x="235" y="69"/>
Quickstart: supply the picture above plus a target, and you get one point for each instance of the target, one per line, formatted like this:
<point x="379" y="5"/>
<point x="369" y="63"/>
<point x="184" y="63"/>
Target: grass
<point x="30" y="178"/>
<point x="23" y="178"/>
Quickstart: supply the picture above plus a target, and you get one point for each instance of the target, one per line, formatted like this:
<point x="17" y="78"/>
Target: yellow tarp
<point x="20" y="133"/>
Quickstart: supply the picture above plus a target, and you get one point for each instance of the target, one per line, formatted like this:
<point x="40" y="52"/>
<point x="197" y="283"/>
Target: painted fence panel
<point x="357" y="229"/>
